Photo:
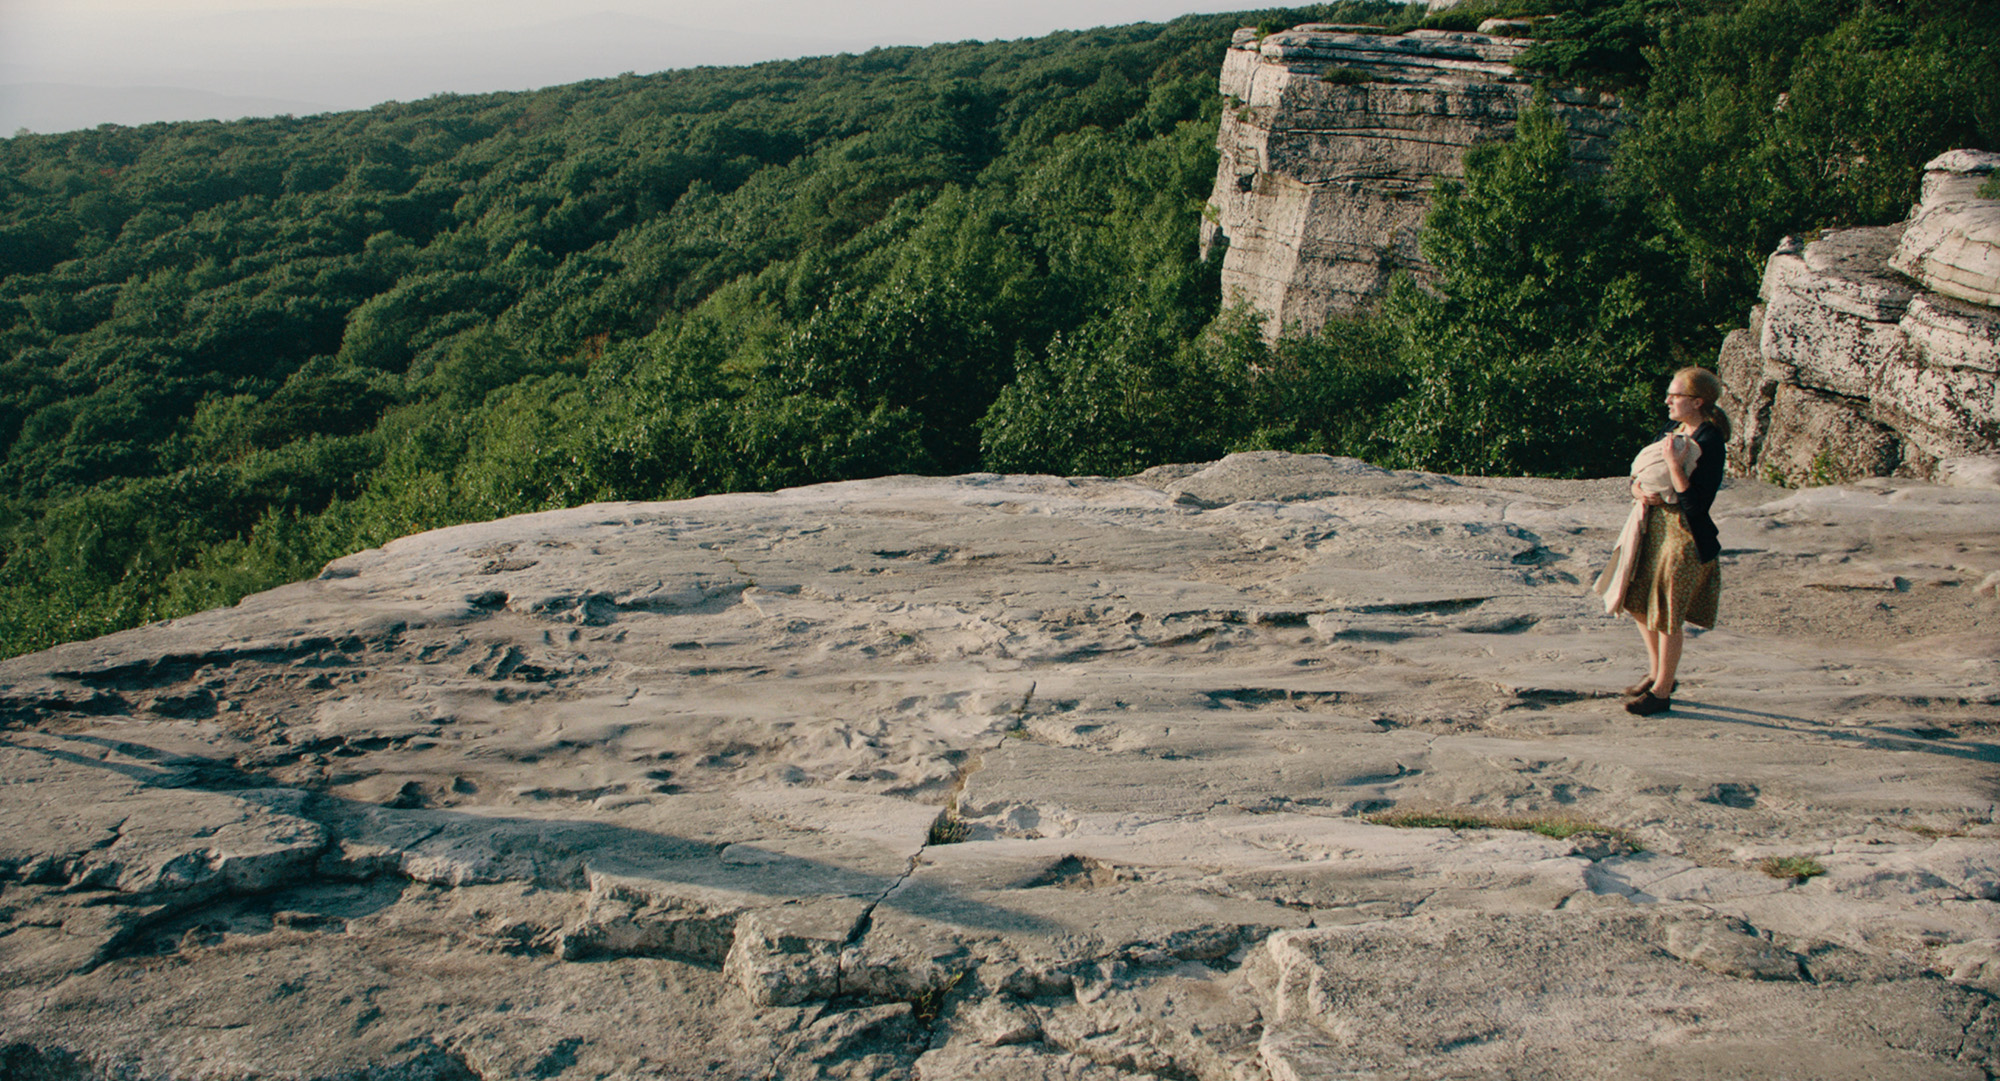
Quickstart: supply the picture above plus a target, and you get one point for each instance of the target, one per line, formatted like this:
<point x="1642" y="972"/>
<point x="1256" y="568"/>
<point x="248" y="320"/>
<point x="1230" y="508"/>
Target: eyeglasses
<point x="1671" y="394"/>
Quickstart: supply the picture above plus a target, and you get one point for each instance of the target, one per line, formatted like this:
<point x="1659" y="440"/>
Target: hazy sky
<point x="68" y="64"/>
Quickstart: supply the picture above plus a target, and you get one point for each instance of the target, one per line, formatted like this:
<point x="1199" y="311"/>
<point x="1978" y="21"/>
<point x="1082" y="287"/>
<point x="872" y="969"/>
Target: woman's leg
<point x="1666" y="650"/>
<point x="1653" y="657"/>
<point x="1652" y="639"/>
<point x="1667" y="662"/>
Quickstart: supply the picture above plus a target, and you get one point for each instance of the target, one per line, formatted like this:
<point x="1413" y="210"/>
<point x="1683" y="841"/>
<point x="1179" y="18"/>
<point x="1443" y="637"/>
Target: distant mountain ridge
<point x="54" y="107"/>
<point x="325" y="59"/>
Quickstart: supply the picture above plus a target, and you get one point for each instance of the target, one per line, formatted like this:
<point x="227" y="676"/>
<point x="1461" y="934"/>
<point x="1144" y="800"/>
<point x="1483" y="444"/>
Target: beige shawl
<point x="1653" y="476"/>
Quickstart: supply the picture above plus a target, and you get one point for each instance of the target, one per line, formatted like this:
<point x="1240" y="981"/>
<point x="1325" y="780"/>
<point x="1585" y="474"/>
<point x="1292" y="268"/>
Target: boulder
<point x="1956" y="176"/>
<point x="1955" y="250"/>
<point x="1970" y="471"/>
<point x="1875" y="354"/>
<point x="1824" y="439"/>
<point x="1830" y="311"/>
<point x="1953" y="243"/>
<point x="1749" y="387"/>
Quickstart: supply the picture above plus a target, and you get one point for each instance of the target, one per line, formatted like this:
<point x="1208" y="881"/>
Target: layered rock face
<point x="1952" y="246"/>
<point x="1331" y="143"/>
<point x="1877" y="351"/>
<point x="1027" y="778"/>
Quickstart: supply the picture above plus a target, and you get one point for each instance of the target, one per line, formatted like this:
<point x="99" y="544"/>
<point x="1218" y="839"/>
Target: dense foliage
<point x="230" y="352"/>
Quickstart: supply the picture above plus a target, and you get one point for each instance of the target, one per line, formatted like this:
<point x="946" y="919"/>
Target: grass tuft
<point x="929" y="1002"/>
<point x="1929" y="832"/>
<point x="1796" y="868"/>
<point x="948" y="829"/>
<point x="1560" y="827"/>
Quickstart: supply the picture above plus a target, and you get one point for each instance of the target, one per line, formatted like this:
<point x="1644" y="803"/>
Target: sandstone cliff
<point x="1877" y="351"/>
<point x="1333" y="139"/>
<point x="1022" y="778"/>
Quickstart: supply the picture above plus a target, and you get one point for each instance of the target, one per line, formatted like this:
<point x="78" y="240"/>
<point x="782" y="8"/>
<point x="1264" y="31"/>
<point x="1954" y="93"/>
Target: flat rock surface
<point x="1221" y="771"/>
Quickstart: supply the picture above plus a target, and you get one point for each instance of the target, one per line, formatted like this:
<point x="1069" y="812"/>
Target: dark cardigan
<point x="1702" y="486"/>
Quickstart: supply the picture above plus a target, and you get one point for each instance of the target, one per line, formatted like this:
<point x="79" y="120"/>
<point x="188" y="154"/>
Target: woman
<point x="1675" y="577"/>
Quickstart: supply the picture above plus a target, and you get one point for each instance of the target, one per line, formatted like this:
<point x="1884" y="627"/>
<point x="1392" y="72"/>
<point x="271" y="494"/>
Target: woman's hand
<point x="1645" y="497"/>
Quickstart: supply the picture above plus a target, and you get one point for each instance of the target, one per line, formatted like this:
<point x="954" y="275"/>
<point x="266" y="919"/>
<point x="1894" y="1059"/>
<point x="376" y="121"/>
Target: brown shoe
<point x="1639" y="688"/>
<point x="1648" y="704"/>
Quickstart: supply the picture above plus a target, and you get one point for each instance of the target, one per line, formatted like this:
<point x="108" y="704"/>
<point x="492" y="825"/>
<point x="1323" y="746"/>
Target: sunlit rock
<point x="1332" y="140"/>
<point x="1225" y="770"/>
<point x="1874" y="353"/>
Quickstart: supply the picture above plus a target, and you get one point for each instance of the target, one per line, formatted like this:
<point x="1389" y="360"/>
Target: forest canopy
<point x="230" y="352"/>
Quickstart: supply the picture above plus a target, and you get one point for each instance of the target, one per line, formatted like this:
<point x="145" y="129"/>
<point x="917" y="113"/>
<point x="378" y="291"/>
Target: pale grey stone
<point x="1847" y="271"/>
<point x="1952" y="245"/>
<point x="1285" y="478"/>
<point x="1332" y="140"/>
<point x="958" y="1062"/>
<point x="1956" y="176"/>
<point x="1951" y="334"/>
<point x="1941" y="412"/>
<point x="1955" y="250"/>
<point x="1814" y="438"/>
<point x="1606" y="998"/>
<point x="1830" y="318"/>
<point x="1749" y="385"/>
<point x="1976" y="963"/>
<point x="1028" y="776"/>
<point x="1857" y="373"/>
<point x="1301" y="1052"/>
<point x="998" y="1022"/>
<point x="786" y="955"/>
<point x="1730" y="950"/>
<point x="1512" y="27"/>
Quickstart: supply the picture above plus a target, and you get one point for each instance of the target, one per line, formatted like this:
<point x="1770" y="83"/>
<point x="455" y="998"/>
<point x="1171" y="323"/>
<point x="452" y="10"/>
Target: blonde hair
<point x="1703" y="384"/>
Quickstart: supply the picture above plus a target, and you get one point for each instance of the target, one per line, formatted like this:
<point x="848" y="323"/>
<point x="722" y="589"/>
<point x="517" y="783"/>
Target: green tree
<point x="1532" y="352"/>
<point x="1327" y="393"/>
<point x="1126" y="392"/>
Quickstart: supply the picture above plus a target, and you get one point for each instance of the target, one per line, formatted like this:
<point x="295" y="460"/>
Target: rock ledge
<point x="1027" y="777"/>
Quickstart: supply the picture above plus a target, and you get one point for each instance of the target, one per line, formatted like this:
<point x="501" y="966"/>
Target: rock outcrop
<point x="1331" y="142"/>
<point x="1952" y="244"/>
<point x="1029" y="777"/>
<point x="1876" y="351"/>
